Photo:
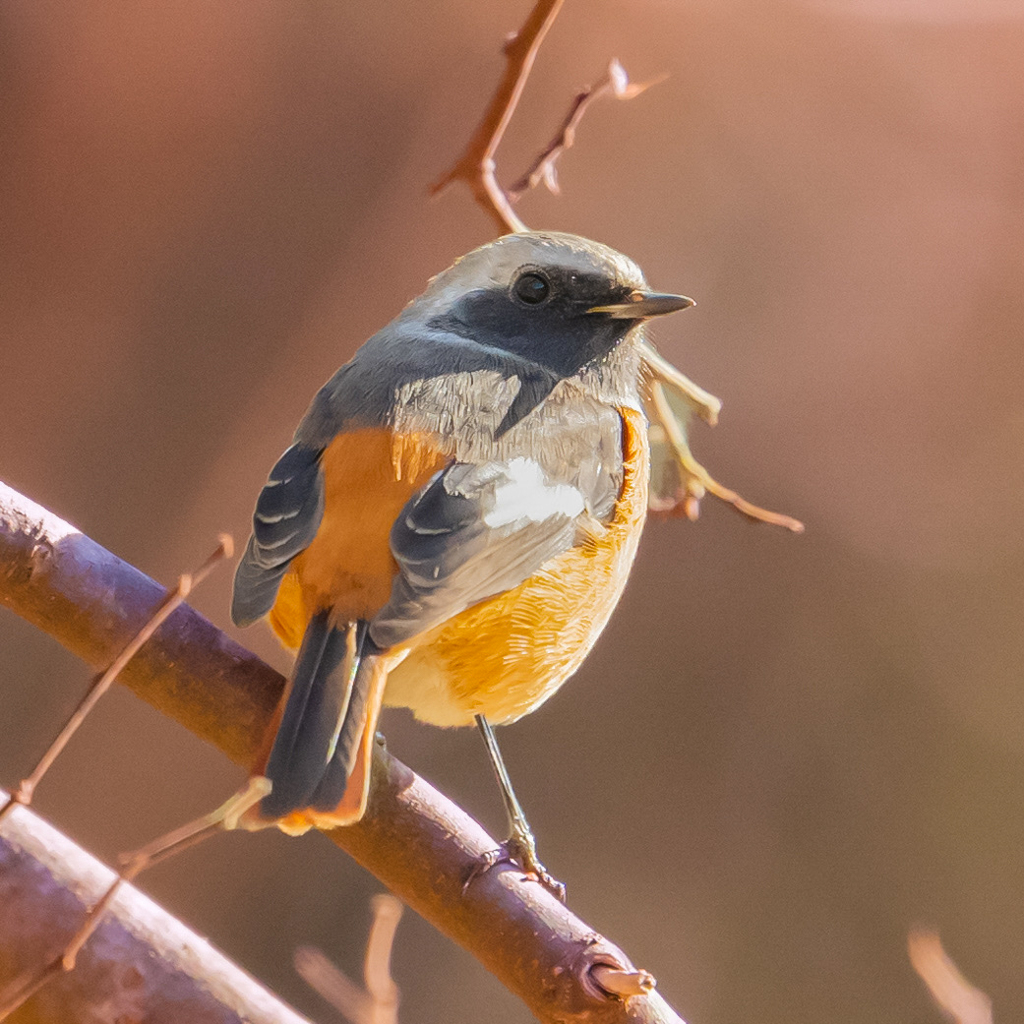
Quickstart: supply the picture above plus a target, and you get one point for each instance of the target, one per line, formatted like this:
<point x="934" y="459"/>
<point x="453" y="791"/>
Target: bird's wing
<point x="472" y="532"/>
<point x="287" y="516"/>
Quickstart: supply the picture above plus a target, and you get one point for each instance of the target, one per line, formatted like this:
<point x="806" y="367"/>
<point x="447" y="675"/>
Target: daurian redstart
<point x="456" y="517"/>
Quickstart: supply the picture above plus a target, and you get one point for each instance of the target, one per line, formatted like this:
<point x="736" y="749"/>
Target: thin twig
<point x="332" y="984"/>
<point x="696" y="479"/>
<point x="544" y="168"/>
<point x="476" y="165"/>
<point x="380" y="986"/>
<point x="168" y="845"/>
<point x="24" y="987"/>
<point x="952" y="992"/>
<point x="139" y="957"/>
<point x="378" y="1003"/>
<point x="27" y="787"/>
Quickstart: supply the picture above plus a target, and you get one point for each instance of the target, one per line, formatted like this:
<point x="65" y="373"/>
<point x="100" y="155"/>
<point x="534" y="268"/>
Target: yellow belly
<point x="505" y="656"/>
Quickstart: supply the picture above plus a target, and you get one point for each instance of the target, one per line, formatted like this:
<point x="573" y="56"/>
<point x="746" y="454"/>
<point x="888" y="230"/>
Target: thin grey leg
<point x="521" y="845"/>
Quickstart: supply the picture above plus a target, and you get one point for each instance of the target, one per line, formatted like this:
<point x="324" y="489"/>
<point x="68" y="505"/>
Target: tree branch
<point x="140" y="962"/>
<point x="476" y="165"/>
<point x="377" y="1003"/>
<point x="419" y="844"/>
<point x="959" y="1000"/>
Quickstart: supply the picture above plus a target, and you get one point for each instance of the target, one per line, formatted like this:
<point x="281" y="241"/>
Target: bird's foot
<point x="520" y="850"/>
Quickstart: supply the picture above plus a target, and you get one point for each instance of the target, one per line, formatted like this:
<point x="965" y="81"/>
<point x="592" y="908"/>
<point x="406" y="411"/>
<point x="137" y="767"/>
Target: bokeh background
<point x="785" y="751"/>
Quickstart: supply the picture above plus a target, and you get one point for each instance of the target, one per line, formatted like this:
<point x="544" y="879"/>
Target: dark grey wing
<point x="472" y="532"/>
<point x="287" y="516"/>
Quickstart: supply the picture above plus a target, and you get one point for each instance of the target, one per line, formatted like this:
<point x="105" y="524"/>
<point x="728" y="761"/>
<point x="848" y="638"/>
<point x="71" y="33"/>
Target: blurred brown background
<point x="784" y="751"/>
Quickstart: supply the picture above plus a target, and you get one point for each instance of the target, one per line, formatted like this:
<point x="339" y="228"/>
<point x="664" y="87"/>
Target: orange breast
<point x="369" y="475"/>
<point x="506" y="655"/>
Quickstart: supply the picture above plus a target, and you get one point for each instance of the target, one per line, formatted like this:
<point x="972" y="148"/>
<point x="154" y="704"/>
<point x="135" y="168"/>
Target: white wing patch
<point x="473" y="531"/>
<point x="525" y="495"/>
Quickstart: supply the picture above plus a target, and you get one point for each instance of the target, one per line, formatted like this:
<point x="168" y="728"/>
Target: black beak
<point x="641" y="305"/>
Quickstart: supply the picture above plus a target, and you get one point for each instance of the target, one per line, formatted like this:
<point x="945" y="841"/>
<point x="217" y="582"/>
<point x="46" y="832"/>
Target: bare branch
<point x="678" y="480"/>
<point x="332" y="984"/>
<point x="378" y="1003"/>
<point x="22" y="988"/>
<point x="380" y="986"/>
<point x="952" y="992"/>
<point x="476" y="165"/>
<point x="544" y="169"/>
<point x="418" y="843"/>
<point x="27" y="787"/>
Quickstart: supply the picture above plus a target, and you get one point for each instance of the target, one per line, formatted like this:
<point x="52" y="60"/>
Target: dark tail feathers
<point x="324" y="718"/>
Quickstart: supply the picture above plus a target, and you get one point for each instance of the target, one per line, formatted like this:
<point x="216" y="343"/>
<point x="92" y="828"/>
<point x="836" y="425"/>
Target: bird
<point x="455" y="519"/>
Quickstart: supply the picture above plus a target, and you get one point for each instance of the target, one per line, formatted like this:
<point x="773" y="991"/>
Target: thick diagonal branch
<point x="413" y="839"/>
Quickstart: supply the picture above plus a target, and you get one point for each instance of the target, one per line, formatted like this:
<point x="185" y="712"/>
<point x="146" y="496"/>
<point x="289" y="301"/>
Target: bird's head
<point x="555" y="300"/>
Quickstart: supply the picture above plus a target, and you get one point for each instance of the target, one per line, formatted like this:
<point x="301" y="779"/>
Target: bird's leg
<point x="520" y="846"/>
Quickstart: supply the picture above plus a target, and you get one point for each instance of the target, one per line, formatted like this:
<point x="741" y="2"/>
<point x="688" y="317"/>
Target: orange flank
<point x="369" y="475"/>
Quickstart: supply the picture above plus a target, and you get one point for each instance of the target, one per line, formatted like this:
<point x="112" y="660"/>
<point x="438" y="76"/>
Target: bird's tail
<point x="319" y="761"/>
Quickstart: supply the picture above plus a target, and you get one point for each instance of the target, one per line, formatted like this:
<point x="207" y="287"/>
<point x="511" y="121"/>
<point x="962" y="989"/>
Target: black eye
<point x="531" y="289"/>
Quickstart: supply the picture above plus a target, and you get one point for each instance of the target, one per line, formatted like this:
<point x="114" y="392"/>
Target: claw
<point x="522" y="850"/>
<point x="523" y="854"/>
